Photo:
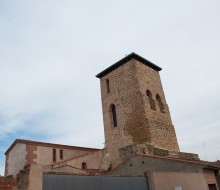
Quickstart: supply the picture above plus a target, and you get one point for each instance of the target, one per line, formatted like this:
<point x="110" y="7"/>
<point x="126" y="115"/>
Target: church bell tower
<point x="134" y="106"/>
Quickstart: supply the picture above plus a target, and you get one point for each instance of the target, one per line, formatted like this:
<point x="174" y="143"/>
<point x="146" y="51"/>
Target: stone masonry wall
<point x="162" y="132"/>
<point x="122" y="86"/>
<point x="137" y="122"/>
<point x="127" y="152"/>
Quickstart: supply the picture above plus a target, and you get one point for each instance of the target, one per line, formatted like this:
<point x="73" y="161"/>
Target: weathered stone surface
<point x="137" y="122"/>
<point x="188" y="156"/>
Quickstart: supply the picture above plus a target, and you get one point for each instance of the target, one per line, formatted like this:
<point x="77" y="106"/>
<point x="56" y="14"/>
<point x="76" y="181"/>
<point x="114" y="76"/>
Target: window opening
<point x="114" y="115"/>
<point x="212" y="187"/>
<point x="161" y="105"/>
<point x="54" y="155"/>
<point x="61" y="154"/>
<point x="107" y="86"/>
<point x="152" y="103"/>
<point x="84" y="166"/>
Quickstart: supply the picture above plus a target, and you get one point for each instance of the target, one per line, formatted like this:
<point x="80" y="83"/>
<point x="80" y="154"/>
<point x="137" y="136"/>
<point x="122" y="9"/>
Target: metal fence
<point x="72" y="182"/>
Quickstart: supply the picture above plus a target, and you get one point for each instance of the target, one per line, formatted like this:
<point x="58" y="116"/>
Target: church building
<point x="140" y="138"/>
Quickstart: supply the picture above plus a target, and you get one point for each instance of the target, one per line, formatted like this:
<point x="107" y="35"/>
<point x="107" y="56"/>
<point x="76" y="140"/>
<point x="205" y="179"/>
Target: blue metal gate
<point x="73" y="182"/>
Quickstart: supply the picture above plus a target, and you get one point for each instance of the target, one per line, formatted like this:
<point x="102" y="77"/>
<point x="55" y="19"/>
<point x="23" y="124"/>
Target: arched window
<point x="114" y="115"/>
<point x="107" y="86"/>
<point x="160" y="104"/>
<point x="158" y="98"/>
<point x="149" y="94"/>
<point x="152" y="103"/>
<point x="84" y="166"/>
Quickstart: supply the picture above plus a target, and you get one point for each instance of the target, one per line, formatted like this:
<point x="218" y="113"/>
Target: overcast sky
<point x="51" y="50"/>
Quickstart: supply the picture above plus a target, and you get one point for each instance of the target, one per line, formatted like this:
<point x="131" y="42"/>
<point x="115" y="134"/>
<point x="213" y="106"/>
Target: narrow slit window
<point x="61" y="154"/>
<point x="54" y="155"/>
<point x="107" y="86"/>
<point x="114" y="115"/>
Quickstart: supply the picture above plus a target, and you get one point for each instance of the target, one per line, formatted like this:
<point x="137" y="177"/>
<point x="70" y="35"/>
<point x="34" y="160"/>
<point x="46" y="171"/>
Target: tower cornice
<point x="125" y="60"/>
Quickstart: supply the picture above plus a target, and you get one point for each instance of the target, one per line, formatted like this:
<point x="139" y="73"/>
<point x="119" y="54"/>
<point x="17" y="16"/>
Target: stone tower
<point x="134" y="106"/>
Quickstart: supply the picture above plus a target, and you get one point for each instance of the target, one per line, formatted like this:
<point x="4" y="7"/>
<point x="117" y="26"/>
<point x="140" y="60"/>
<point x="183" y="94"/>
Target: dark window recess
<point x="107" y="86"/>
<point x="152" y="103"/>
<point x="114" y="115"/>
<point x="54" y="155"/>
<point x="61" y="154"/>
<point x="84" y="166"/>
<point x="161" y="105"/>
<point x="212" y="187"/>
<point x="110" y="167"/>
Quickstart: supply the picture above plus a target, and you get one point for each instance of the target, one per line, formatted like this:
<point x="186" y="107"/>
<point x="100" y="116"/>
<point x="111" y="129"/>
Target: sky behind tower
<point x="50" y="52"/>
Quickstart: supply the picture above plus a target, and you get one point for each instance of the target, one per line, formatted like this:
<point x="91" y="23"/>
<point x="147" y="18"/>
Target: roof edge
<point x="125" y="60"/>
<point x="23" y="141"/>
<point x="207" y="165"/>
<point x="181" y="160"/>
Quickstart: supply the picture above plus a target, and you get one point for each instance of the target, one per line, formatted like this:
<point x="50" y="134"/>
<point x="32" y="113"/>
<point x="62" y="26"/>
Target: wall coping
<point x="52" y="145"/>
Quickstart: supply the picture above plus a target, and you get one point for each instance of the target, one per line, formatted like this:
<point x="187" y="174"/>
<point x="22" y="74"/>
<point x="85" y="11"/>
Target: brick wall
<point x="93" y="161"/>
<point x="8" y="183"/>
<point x="31" y="156"/>
<point x="210" y="177"/>
<point x="45" y="154"/>
<point x="23" y="153"/>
